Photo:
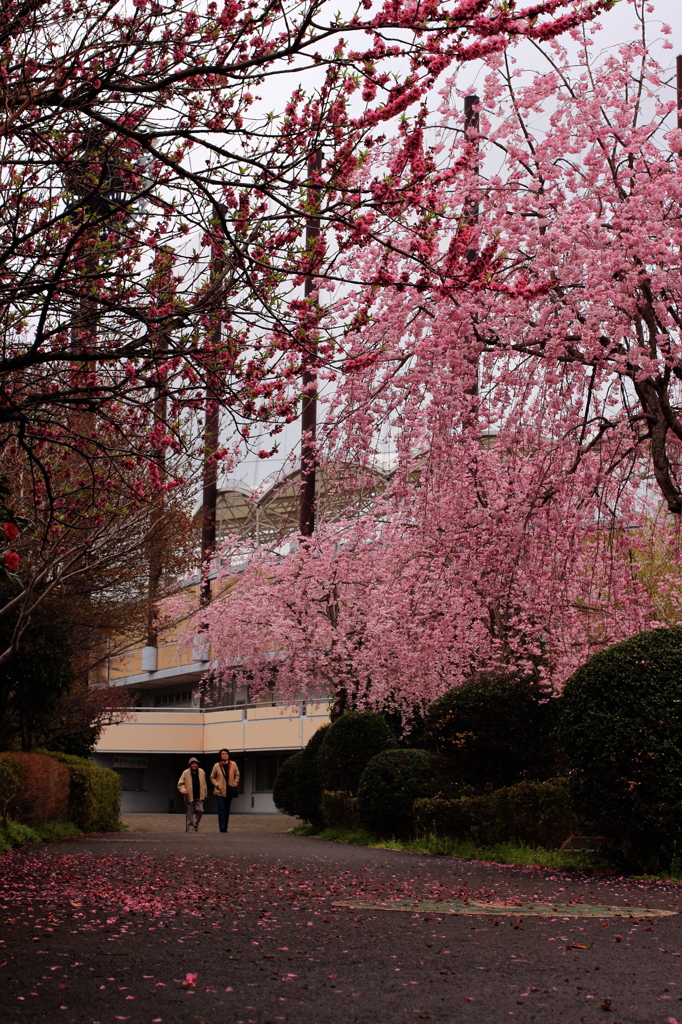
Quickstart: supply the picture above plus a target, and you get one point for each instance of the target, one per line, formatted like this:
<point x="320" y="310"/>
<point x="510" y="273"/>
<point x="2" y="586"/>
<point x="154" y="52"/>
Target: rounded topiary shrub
<point x="349" y="745"/>
<point x="390" y="784"/>
<point x="495" y="730"/>
<point x="94" y="793"/>
<point x="621" y="732"/>
<point x="285" y="789"/>
<point x="309" y="779"/>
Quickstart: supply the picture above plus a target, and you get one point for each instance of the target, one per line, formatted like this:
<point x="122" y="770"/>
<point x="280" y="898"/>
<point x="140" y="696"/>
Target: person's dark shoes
<point x="223" y="830"/>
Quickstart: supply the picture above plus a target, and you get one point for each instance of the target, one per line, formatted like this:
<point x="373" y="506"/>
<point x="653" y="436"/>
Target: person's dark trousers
<point x="223" y="812"/>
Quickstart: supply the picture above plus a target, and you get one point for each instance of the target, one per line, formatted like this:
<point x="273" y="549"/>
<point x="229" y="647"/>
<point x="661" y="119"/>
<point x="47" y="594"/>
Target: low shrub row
<point x="507" y="761"/>
<point x="340" y="810"/>
<point x="532" y="813"/>
<point x="41" y="787"/>
<point x="389" y="785"/>
<point x="13" y="833"/>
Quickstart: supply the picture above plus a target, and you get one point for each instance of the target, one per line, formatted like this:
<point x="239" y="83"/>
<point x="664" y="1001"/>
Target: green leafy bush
<point x="95" y="801"/>
<point x="339" y="810"/>
<point x="410" y="731"/>
<point x="309" y="779"/>
<point x="349" y="745"/>
<point x="14" y="833"/>
<point x="390" y="784"/>
<point x="495" y="730"/>
<point x="43" y="794"/>
<point x="454" y="819"/>
<point x="533" y="813"/>
<point x="298" y="789"/>
<point x="285" y="790"/>
<point x="622" y="737"/>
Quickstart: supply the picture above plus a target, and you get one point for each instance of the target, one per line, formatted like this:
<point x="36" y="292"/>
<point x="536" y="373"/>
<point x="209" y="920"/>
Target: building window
<point x="181" y="697"/>
<point x="266" y="769"/>
<point x="132" y="779"/>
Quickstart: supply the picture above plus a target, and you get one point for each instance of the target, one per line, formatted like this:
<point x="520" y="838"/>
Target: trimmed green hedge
<point x="95" y="797"/>
<point x="348" y="746"/>
<point x="533" y="813"/>
<point x="298" y="787"/>
<point x="310" y="780"/>
<point x="621" y="733"/>
<point x="495" y="730"/>
<point x="388" y="788"/>
<point x="285" y="790"/>
<point x="339" y="810"/>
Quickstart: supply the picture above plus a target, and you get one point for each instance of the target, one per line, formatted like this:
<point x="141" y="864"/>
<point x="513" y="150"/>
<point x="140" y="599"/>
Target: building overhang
<point x="191" y="673"/>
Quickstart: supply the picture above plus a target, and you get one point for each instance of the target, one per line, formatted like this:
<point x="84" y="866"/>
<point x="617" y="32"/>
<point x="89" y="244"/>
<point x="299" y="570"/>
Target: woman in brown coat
<point x="225" y="779"/>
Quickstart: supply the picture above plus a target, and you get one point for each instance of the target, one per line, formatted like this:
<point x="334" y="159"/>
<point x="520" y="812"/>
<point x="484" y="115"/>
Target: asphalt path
<point x="246" y="927"/>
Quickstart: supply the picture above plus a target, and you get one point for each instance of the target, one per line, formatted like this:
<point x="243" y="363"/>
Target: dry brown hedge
<point x="44" y="791"/>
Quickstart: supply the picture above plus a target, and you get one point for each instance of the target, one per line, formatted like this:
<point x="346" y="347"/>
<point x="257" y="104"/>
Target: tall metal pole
<point x="470" y="212"/>
<point x="306" y="518"/>
<point x="157" y="512"/>
<point x="471" y="126"/>
<point x="210" y="488"/>
<point x="210" y="469"/>
<point x="166" y="287"/>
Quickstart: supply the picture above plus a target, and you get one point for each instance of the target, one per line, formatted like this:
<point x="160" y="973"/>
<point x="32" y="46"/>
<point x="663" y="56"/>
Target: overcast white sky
<point x="618" y="26"/>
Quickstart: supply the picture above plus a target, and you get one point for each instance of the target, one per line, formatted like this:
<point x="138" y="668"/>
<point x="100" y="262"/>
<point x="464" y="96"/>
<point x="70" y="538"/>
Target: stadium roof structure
<point x="269" y="514"/>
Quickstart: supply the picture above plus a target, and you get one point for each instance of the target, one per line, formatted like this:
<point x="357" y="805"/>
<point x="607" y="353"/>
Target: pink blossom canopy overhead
<point x="521" y="364"/>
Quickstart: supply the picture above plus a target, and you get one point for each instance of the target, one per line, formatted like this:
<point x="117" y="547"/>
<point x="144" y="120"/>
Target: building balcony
<point x="194" y="730"/>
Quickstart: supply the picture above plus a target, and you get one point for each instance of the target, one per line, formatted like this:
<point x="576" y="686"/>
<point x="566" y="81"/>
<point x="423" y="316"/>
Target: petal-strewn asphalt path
<point x="156" y="926"/>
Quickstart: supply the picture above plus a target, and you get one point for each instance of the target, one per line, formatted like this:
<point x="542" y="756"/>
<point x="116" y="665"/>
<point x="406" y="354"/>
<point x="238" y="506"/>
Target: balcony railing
<point x="284" y="725"/>
<point x="300" y="705"/>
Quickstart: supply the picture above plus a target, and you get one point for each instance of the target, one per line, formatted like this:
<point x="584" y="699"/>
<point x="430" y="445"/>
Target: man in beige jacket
<point x="225" y="779"/>
<point x="192" y="785"/>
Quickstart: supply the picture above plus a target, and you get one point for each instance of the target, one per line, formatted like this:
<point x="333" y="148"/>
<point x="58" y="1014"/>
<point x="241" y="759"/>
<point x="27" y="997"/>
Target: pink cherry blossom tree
<point x="523" y="370"/>
<point x="153" y="241"/>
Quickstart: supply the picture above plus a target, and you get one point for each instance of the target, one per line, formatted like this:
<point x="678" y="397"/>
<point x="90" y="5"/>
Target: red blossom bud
<point x="11" y="530"/>
<point x="11" y="561"/>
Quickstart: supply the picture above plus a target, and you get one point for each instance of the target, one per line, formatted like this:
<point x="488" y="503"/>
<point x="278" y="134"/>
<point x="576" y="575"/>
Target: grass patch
<point x="441" y="846"/>
<point x="511" y="853"/>
<point x="15" y="834"/>
<point x="339" y="835"/>
<point x="51" y="830"/>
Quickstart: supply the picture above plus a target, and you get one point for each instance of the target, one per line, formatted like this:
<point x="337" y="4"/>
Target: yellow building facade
<point x="173" y="719"/>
